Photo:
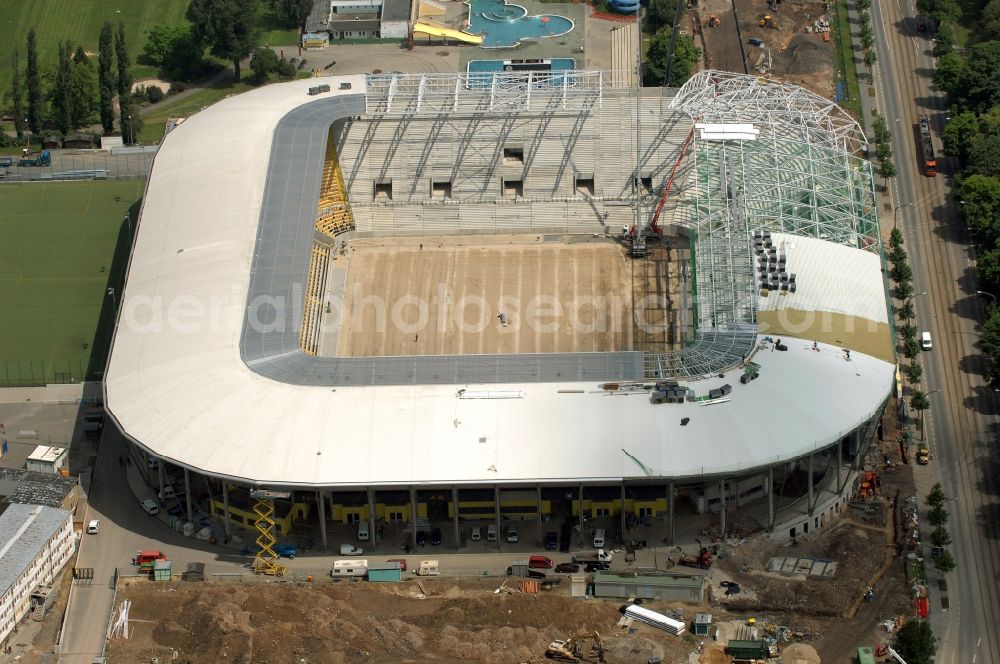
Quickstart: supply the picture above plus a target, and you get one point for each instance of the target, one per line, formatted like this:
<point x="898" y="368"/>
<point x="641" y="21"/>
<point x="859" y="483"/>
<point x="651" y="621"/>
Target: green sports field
<point x="62" y="245"/>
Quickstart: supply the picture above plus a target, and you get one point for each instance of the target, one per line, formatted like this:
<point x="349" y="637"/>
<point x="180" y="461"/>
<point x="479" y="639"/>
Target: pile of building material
<point x="654" y="619"/>
<point x="807" y="567"/>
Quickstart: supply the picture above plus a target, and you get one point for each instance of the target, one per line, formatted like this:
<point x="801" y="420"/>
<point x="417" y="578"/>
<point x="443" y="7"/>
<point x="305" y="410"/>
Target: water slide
<point x="447" y="33"/>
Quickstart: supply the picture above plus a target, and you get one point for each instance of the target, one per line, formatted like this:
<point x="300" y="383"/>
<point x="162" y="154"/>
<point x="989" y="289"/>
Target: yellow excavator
<point x="571" y="649"/>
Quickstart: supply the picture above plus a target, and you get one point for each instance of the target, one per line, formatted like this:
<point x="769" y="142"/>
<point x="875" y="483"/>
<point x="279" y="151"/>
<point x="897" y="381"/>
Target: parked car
<point x="567" y="568"/>
<point x="477" y="534"/>
<point x="168" y="493"/>
<point x="540" y="562"/>
<point x="151" y="506"/>
<point x="435" y="536"/>
<point x="551" y="540"/>
<point x="597" y="566"/>
<point x="344" y="86"/>
<point x="421" y="537"/>
<point x="350" y="550"/>
<point x="401" y="561"/>
<point x="512" y="535"/>
<point x="93" y="527"/>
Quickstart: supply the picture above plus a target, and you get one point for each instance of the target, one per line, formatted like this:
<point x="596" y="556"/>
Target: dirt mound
<point x="354" y="622"/>
<point x="806" y="54"/>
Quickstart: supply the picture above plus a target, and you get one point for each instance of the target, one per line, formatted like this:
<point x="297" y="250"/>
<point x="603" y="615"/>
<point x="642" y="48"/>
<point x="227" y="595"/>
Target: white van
<point x="491" y="532"/>
<point x="362" y="531"/>
<point x="477" y="534"/>
<point x="512" y="536"/>
<point x="925" y="341"/>
<point x="150" y="506"/>
<point x="428" y="568"/>
<point x="599" y="538"/>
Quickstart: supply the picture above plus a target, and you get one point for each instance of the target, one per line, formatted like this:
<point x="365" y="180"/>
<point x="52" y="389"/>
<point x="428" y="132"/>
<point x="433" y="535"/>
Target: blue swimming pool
<point x="481" y="71"/>
<point x="504" y="25"/>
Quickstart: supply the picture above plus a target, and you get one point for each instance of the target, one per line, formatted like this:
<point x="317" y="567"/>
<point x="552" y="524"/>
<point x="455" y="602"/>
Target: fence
<point x="38" y="373"/>
<point x="84" y="164"/>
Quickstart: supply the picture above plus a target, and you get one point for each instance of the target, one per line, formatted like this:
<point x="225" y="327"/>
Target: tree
<point x="895" y="238"/>
<point x="901" y="272"/>
<point x="897" y="255"/>
<point x="867" y="38"/>
<point x="991" y="19"/>
<point x="908" y="330"/>
<point x="228" y="27"/>
<point x="903" y="291"/>
<point x="978" y="87"/>
<point x="935" y="496"/>
<point x="106" y="78"/>
<point x="937" y="516"/>
<point x="989" y="338"/>
<point x="919" y="402"/>
<point x="910" y="348"/>
<point x="944" y="40"/>
<point x="883" y="151"/>
<point x="263" y="62"/>
<point x="659" y="14"/>
<point x="958" y="134"/>
<point x="34" y="81"/>
<point x="949" y="71"/>
<point x="915" y="642"/>
<point x="940" y="10"/>
<point x="17" y="97"/>
<point x="945" y="563"/>
<point x="863" y="6"/>
<point x="684" y="56"/>
<point x="82" y="88"/>
<point x="980" y="200"/>
<point x="285" y="69"/>
<point x="940" y="537"/>
<point x="905" y="310"/>
<point x="865" y="21"/>
<point x="295" y="12"/>
<point x="988" y="264"/>
<point x="983" y="150"/>
<point x="62" y="100"/>
<point x="914" y="372"/>
<point x="124" y="82"/>
<point x="871" y="57"/>
<point x="159" y="42"/>
<point x="886" y="170"/>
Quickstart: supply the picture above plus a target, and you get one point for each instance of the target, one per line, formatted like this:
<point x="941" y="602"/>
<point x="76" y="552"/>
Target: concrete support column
<point x="413" y="518"/>
<point x="372" y="533"/>
<point x="321" y="502"/>
<point x="840" y="462"/>
<point x="187" y="492"/>
<point x="225" y="508"/>
<point x="579" y="514"/>
<point x="810" y="480"/>
<point x="722" y="507"/>
<point x="538" y="502"/>
<point x="770" y="499"/>
<point x="622" y="514"/>
<point x="454" y="517"/>
<point x="159" y="468"/>
<point x="670" y="511"/>
<point x="496" y="514"/>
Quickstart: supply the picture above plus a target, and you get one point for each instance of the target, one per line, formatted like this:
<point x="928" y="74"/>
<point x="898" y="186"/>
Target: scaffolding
<point x="266" y="559"/>
<point x="494" y="92"/>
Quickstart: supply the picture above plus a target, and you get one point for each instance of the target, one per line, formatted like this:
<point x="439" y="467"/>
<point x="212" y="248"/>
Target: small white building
<point x="35" y="544"/>
<point x="46" y="459"/>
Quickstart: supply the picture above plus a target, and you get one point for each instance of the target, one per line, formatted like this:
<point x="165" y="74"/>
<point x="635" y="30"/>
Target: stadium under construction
<point x="511" y="295"/>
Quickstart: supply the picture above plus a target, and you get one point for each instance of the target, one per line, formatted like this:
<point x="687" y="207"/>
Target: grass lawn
<point x="62" y="245"/>
<point x="844" y="67"/>
<point x="79" y="21"/>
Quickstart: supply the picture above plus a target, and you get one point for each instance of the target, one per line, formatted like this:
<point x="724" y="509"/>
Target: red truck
<point x="146" y="559"/>
<point x="703" y="560"/>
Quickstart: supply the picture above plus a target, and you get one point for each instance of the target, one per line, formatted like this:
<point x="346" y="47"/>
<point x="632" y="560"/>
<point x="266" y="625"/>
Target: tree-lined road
<point x="961" y="421"/>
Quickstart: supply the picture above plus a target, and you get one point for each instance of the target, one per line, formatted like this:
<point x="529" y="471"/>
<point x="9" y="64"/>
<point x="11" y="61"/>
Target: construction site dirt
<point x="793" y="45"/>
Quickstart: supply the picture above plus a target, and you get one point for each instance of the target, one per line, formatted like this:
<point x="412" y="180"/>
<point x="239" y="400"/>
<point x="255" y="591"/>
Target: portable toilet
<point x="702" y="623"/>
<point x="162" y="570"/>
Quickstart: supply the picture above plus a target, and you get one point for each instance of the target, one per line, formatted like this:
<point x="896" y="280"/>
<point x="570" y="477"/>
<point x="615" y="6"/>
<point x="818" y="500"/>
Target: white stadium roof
<point x="178" y="386"/>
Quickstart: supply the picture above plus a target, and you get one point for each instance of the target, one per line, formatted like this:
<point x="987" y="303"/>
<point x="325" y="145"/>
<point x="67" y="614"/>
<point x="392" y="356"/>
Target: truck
<point x="927" y="146"/>
<point x="599" y="556"/>
<point x="703" y="560"/>
<point x="43" y="158"/>
<point x="146" y="559"/>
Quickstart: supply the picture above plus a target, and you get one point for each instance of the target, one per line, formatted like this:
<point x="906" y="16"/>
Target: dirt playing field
<point x="457" y="621"/>
<point x="445" y="296"/>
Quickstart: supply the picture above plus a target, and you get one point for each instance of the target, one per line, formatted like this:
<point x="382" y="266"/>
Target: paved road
<point x="962" y="422"/>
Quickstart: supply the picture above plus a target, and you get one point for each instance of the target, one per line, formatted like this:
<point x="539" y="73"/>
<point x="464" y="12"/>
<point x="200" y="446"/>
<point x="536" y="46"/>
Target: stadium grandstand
<point x="492" y="286"/>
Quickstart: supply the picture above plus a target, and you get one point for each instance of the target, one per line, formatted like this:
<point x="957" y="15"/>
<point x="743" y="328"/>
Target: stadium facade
<point x="217" y="364"/>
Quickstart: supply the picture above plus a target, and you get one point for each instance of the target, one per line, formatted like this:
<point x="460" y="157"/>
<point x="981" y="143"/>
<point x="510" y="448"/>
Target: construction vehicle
<point x="43" y="158"/>
<point x="703" y="560"/>
<point x="923" y="455"/>
<point x="570" y="650"/>
<point x="769" y="22"/>
<point x="265" y="560"/>
<point x="927" y="146"/>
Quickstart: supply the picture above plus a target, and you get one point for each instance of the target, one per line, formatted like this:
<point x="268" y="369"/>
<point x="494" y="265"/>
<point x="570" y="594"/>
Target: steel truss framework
<point x="801" y="176"/>
<point x="499" y="92"/>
